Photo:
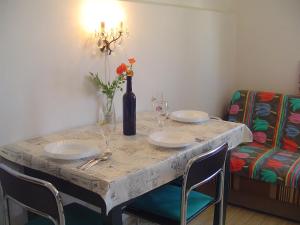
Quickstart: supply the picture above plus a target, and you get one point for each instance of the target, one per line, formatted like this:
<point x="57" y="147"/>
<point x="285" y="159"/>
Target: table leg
<point x="114" y="217"/>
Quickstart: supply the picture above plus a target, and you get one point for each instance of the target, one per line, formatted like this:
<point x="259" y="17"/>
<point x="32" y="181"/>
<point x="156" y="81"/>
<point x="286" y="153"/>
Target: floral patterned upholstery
<point x="274" y="154"/>
<point x="244" y="159"/>
<point x="238" y="106"/>
<point x="272" y="165"/>
<point x="260" y="111"/>
<point x="289" y="138"/>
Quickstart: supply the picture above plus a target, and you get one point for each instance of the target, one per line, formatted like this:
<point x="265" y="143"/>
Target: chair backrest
<point x="202" y="169"/>
<point x="36" y="195"/>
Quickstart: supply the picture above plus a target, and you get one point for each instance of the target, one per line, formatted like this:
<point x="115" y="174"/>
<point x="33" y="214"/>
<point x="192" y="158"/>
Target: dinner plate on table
<point x="71" y="149"/>
<point x="189" y="116"/>
<point x="170" y="139"/>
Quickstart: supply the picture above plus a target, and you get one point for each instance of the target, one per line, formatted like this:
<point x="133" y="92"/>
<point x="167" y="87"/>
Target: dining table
<point x="135" y="166"/>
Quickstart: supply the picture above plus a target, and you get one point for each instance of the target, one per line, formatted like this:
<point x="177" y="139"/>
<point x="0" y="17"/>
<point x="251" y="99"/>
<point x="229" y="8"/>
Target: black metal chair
<point x="43" y="199"/>
<point x="172" y="204"/>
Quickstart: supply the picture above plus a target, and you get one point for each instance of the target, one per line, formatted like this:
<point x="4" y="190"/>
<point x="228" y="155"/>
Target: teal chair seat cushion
<point x="166" y="202"/>
<point x="75" y="214"/>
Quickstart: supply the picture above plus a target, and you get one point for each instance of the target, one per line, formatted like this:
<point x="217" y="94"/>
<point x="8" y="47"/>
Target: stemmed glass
<point x="160" y="107"/>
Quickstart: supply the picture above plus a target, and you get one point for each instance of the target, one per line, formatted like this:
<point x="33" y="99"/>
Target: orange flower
<point x="129" y="73"/>
<point x="131" y="61"/>
<point x="121" y="69"/>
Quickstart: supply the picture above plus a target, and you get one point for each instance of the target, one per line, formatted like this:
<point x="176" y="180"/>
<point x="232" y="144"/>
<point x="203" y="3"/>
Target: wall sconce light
<point x="105" y="20"/>
<point x="107" y="40"/>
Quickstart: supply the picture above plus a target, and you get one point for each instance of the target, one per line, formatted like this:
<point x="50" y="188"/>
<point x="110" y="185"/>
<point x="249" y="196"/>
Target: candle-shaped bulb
<point x="102" y="27"/>
<point x="121" y="26"/>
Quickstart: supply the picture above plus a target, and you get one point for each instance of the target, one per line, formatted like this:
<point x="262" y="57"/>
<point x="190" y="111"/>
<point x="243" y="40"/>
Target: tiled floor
<point x="236" y="216"/>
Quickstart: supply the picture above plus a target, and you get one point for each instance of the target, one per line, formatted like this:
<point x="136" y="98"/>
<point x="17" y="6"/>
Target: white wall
<point x="187" y="53"/>
<point x="268" y="45"/>
<point x="211" y="5"/>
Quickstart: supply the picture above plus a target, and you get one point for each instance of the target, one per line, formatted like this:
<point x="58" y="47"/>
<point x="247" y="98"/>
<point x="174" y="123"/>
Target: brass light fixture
<point x="104" y="20"/>
<point x="107" y="41"/>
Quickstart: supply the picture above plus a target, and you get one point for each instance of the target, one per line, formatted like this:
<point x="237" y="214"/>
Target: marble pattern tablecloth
<point x="136" y="167"/>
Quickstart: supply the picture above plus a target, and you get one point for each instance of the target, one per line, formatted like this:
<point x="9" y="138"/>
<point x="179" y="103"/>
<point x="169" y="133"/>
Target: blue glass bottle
<point x="129" y="110"/>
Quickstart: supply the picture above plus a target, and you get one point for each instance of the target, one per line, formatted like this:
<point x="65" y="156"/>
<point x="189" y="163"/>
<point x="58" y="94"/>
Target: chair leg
<point x="221" y="203"/>
<point x="221" y="219"/>
<point x="6" y="211"/>
<point x="217" y="214"/>
<point x="219" y="207"/>
<point x="226" y="187"/>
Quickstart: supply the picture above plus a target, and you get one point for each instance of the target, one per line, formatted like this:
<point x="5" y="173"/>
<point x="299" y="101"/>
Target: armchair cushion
<point x="271" y="165"/>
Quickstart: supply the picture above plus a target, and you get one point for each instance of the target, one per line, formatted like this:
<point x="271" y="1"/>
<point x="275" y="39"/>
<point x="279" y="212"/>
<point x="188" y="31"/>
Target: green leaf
<point x="236" y="96"/>
<point x="260" y="125"/>
<point x="246" y="149"/>
<point x="268" y="176"/>
<point x="109" y="88"/>
<point x="295" y="103"/>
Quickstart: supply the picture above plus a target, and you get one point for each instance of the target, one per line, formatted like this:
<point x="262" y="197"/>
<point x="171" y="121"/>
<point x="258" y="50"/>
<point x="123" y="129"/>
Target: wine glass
<point x="160" y="107"/>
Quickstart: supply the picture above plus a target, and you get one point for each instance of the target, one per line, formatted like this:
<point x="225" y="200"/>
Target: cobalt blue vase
<point x="129" y="110"/>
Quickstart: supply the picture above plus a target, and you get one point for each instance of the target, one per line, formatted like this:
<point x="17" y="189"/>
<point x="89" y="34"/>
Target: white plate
<point x="71" y="149"/>
<point x="189" y="116"/>
<point x="170" y="139"/>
